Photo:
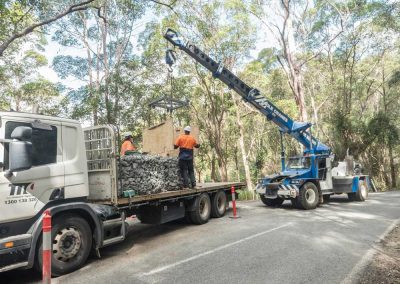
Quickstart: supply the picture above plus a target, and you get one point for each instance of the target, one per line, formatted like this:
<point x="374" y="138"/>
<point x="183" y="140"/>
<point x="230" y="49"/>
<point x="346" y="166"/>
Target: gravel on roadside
<point x="385" y="265"/>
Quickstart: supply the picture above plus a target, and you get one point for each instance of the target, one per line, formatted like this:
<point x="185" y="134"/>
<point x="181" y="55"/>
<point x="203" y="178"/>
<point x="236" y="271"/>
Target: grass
<point x="247" y="195"/>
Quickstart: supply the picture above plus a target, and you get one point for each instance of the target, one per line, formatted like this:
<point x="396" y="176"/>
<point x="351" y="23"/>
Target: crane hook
<point x="170" y="58"/>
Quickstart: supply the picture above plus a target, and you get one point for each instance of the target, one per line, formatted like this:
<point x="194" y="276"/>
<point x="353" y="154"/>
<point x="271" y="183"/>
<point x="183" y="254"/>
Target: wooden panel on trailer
<point x="160" y="139"/>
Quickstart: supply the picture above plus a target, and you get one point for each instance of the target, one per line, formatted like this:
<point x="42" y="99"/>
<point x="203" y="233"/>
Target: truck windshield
<point x="297" y="163"/>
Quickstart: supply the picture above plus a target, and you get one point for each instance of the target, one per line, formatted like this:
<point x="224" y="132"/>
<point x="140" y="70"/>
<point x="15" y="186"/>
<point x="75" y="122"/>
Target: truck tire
<point x="218" y="204"/>
<point x="202" y="211"/>
<point x="361" y="194"/>
<point x="72" y="243"/>
<point x="271" y="202"/>
<point x="308" y="196"/>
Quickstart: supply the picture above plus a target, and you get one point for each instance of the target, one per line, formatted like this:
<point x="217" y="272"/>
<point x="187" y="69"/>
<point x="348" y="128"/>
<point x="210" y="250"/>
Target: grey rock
<point x="148" y="174"/>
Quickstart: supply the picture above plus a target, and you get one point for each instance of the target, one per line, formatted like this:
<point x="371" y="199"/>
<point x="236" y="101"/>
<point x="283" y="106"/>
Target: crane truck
<point x="307" y="179"/>
<point x="52" y="163"/>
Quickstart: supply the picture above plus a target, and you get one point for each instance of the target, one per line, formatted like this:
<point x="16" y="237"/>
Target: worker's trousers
<point x="187" y="172"/>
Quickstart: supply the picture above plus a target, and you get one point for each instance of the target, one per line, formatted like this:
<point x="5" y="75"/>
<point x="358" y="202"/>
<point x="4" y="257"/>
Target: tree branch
<point x="168" y="5"/>
<point x="73" y="8"/>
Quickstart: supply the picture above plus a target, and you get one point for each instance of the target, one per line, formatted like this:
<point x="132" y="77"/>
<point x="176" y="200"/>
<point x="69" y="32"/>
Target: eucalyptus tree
<point x="106" y="39"/>
<point x="21" y="18"/>
<point x="228" y="36"/>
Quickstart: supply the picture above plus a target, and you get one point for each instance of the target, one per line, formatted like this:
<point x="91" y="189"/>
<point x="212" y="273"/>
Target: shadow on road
<point x="137" y="233"/>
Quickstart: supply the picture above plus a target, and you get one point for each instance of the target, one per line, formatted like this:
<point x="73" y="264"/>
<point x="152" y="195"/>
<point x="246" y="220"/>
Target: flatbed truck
<point x="53" y="163"/>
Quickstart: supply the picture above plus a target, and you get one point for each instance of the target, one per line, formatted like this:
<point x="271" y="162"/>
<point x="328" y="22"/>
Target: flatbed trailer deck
<point x="171" y="195"/>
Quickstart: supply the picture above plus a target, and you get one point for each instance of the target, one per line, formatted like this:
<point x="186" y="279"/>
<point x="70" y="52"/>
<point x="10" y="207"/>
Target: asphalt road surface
<point x="266" y="245"/>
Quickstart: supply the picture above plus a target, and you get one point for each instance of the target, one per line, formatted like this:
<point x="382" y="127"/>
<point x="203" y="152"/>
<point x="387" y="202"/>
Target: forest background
<point x="334" y="63"/>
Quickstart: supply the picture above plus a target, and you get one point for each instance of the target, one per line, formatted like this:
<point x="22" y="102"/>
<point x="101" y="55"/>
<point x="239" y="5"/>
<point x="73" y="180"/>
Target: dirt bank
<point x="385" y="265"/>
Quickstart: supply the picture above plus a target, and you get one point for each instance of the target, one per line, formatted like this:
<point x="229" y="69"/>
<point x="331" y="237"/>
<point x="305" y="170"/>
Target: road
<point x="266" y="245"/>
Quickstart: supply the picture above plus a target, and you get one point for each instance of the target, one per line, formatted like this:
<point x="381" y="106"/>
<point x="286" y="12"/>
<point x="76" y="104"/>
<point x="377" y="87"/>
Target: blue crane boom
<point x="298" y="130"/>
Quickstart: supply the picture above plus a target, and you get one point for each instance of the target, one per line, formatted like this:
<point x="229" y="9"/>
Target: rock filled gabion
<point x="146" y="174"/>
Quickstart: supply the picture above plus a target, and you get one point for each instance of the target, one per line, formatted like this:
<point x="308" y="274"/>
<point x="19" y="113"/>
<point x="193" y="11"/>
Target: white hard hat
<point x="187" y="128"/>
<point x="127" y="134"/>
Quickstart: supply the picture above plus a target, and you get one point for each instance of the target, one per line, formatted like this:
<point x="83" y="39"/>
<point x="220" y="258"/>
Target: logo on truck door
<point x="18" y="189"/>
<point x="18" y="193"/>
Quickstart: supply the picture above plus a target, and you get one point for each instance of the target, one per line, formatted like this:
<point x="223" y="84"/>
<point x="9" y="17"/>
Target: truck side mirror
<point x="20" y="150"/>
<point x="22" y="133"/>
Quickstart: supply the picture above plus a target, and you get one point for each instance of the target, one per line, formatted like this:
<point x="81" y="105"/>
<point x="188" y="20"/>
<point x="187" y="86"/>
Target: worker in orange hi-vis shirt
<point x="127" y="145"/>
<point x="186" y="143"/>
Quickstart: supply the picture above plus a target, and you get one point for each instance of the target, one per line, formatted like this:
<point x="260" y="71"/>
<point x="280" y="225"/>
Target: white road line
<point x="172" y="265"/>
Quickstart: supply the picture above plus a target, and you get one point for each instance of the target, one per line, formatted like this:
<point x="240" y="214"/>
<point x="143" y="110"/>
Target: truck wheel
<point x="361" y="194"/>
<point x="203" y="209"/>
<point x="271" y="202"/>
<point x="72" y="242"/>
<point x="218" y="204"/>
<point x="308" y="196"/>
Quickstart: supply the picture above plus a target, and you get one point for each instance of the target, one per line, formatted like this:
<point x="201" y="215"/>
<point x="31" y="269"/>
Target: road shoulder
<point x="384" y="266"/>
<point x="380" y="263"/>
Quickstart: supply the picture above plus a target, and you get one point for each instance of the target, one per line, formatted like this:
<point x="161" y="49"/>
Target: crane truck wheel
<point x="271" y="202"/>
<point x="72" y="242"/>
<point x="203" y="209"/>
<point x="361" y="194"/>
<point x="218" y="204"/>
<point x="308" y="196"/>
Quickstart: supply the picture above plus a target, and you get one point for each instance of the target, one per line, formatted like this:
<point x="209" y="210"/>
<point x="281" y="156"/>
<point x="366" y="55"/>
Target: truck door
<point x="74" y="157"/>
<point x="46" y="177"/>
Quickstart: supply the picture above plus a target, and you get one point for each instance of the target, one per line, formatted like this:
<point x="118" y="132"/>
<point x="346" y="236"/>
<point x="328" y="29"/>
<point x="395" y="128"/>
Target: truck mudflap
<point x="14" y="252"/>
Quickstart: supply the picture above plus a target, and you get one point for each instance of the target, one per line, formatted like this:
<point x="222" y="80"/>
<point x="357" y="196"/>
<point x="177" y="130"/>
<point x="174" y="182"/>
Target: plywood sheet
<point x="159" y="139"/>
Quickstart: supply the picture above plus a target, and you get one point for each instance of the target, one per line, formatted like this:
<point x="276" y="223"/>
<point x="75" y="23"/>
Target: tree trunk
<point x="293" y="67"/>
<point x="90" y="63"/>
<point x="222" y="168"/>
<point x="392" y="167"/>
<point x="243" y="149"/>
<point x="104" y="31"/>
<point x="213" y="173"/>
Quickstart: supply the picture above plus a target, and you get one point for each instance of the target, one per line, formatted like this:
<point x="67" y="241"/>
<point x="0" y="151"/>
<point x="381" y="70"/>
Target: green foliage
<point x="350" y="82"/>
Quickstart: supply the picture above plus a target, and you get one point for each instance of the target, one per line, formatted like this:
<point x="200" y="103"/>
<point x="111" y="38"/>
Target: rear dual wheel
<point x="218" y="204"/>
<point x="202" y="211"/>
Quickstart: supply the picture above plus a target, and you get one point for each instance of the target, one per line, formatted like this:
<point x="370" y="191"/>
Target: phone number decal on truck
<point x="18" y="194"/>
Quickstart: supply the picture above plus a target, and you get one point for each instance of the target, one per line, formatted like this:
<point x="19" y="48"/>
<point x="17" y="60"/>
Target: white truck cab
<point x="58" y="169"/>
<point x="55" y="177"/>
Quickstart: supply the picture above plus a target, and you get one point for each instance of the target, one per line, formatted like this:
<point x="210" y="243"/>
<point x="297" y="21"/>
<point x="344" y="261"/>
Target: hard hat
<point x="127" y="134"/>
<point x="187" y="128"/>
